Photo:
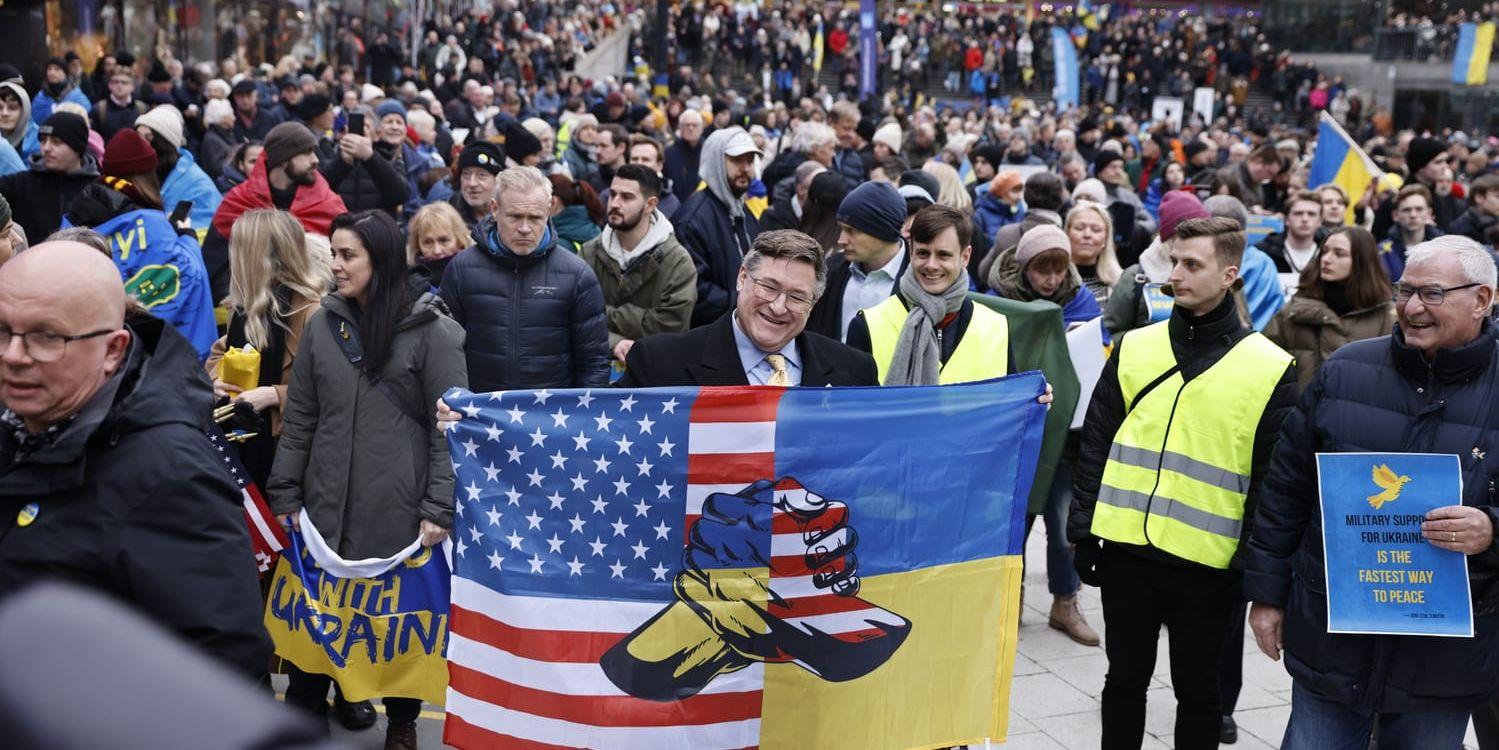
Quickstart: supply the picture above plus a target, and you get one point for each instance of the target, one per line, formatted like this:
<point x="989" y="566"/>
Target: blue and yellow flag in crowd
<point x="164" y="271"/>
<point x="377" y="632"/>
<point x="1340" y="161"/>
<point x="715" y="568"/>
<point x="1470" y="61"/>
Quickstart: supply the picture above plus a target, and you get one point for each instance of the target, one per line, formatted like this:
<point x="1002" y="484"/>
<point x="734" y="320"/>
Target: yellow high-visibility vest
<point x="1177" y="474"/>
<point x="983" y="353"/>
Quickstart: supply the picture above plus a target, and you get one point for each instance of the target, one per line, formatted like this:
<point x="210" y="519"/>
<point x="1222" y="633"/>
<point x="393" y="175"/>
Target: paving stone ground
<point x="1054" y="699"/>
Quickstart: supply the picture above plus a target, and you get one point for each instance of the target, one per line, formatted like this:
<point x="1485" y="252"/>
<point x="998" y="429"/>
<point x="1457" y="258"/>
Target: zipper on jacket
<point x="512" y="362"/>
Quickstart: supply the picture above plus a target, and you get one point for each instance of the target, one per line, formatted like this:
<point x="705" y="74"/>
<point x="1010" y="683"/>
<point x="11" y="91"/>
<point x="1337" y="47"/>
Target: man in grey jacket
<point x="534" y="316"/>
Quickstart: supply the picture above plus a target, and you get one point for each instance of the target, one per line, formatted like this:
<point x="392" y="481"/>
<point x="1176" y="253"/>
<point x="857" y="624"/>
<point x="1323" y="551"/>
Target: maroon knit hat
<point x="128" y="154"/>
<point x="1176" y="207"/>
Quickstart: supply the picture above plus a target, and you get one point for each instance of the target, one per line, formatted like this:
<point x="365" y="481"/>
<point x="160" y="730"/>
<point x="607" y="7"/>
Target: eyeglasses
<point x="768" y="292"/>
<point x="1431" y="296"/>
<point x="44" y="346"/>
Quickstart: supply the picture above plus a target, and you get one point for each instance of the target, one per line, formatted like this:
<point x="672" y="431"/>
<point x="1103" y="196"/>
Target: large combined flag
<point x="267" y="538"/>
<point x="1470" y="61"/>
<point x="700" y="569"/>
<point x="1340" y="161"/>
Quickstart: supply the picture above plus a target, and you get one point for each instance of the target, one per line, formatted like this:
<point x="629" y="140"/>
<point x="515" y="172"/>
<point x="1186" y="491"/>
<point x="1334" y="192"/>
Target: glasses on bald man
<point x="45" y="346"/>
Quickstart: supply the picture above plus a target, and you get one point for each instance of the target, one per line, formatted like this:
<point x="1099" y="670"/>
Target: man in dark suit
<point x="761" y="341"/>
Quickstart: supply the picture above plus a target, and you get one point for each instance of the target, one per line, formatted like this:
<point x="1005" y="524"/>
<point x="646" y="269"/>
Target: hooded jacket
<point x="1380" y="395"/>
<point x="650" y="289"/>
<point x="10" y="161"/>
<point x="533" y="321"/>
<point x="45" y="101"/>
<point x="25" y="137"/>
<point x="38" y="198"/>
<point x="1078" y="304"/>
<point x="715" y="227"/>
<point x="990" y="214"/>
<point x="367" y="473"/>
<point x="188" y="182"/>
<point x="132" y="499"/>
<point x="162" y="269"/>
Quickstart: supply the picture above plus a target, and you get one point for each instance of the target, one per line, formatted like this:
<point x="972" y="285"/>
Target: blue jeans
<point x="1320" y="724"/>
<point x="1061" y="577"/>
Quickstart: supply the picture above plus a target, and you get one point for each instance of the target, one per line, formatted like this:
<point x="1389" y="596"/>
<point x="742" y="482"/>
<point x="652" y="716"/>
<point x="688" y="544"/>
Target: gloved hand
<point x="1087" y="559"/>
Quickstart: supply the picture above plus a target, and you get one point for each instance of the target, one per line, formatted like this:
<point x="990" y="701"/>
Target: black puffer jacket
<point x="533" y="321"/>
<point x="133" y="500"/>
<point x="1379" y="395"/>
<point x="374" y="183"/>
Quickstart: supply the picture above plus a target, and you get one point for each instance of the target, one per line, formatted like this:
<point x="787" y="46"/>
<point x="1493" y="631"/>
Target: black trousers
<point x="1196" y="605"/>
<point x="1231" y="668"/>
<point x="309" y="692"/>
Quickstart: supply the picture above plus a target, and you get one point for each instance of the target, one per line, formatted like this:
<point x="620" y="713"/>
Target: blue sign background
<point x="1382" y="576"/>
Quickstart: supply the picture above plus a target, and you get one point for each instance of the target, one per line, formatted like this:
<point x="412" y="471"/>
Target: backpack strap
<point x="346" y="334"/>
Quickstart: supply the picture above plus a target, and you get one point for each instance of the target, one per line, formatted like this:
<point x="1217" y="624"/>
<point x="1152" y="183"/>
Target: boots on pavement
<point x="1067" y="616"/>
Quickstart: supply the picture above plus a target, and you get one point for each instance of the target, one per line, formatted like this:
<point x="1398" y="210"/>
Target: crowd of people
<point x="488" y="219"/>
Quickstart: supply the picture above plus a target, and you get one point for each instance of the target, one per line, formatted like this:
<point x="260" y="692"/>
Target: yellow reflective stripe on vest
<point x="1177" y="475"/>
<point x="984" y="352"/>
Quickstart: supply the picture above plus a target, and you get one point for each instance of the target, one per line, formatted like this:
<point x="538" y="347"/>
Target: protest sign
<point x="1383" y="577"/>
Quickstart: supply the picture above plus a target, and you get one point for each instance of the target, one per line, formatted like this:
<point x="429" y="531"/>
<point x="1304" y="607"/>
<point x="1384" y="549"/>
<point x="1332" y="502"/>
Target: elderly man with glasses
<point x="1428" y="388"/>
<point x="107" y="477"/>
<point x="762" y="340"/>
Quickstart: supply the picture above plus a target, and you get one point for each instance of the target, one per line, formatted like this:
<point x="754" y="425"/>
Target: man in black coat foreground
<point x="1428" y="388"/>
<point x="761" y="341"/>
<point x="106" y="475"/>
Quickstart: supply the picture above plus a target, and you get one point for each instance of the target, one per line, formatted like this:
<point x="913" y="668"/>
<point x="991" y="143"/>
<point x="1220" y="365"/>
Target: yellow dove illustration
<point x="1390" y="482"/>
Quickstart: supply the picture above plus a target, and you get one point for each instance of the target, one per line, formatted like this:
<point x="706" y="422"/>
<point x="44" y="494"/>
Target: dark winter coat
<point x="533" y="321"/>
<point x="681" y="168"/>
<point x="718" y="243"/>
<point x="374" y="183"/>
<point x="218" y="146"/>
<point x="133" y="500"/>
<point x="1379" y="395"/>
<point x="1474" y="225"/>
<point x="367" y="473"/>
<point x="38" y="198"/>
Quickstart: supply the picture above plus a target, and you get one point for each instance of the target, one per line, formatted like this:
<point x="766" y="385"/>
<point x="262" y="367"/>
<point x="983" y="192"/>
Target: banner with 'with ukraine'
<point x="680" y="568"/>
<point x="379" y="627"/>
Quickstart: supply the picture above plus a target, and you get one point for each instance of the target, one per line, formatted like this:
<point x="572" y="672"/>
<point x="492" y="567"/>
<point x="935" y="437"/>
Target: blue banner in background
<point x="869" y="49"/>
<point x="1382" y="575"/>
<point x="1066" y="89"/>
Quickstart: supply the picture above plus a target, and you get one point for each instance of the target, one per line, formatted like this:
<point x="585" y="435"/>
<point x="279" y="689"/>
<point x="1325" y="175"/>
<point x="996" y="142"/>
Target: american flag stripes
<point x="266" y="534"/>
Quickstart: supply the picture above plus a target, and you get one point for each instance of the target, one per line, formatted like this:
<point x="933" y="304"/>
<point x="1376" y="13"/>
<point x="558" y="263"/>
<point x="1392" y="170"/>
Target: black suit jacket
<point x="827" y="314"/>
<point x="708" y="356"/>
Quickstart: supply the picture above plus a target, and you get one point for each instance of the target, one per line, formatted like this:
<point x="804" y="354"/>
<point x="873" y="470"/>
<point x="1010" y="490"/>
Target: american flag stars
<point x="560" y="460"/>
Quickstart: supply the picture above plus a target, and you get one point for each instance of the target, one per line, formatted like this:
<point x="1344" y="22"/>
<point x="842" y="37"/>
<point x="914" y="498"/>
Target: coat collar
<point x="720" y="365"/>
<point x="1457" y="365"/>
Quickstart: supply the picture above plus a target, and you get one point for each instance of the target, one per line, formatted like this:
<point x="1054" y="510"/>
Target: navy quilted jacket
<point x="1379" y="395"/>
<point x="533" y="321"/>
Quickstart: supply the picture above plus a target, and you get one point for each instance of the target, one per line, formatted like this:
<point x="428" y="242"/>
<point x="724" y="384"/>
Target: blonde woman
<point x="953" y="193"/>
<point x="436" y="233"/>
<point x="1092" y="234"/>
<point x="275" y="286"/>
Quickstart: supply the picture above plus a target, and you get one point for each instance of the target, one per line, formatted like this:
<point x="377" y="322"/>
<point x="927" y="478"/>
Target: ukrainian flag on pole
<point x="1340" y="161"/>
<point x="1470" y="64"/>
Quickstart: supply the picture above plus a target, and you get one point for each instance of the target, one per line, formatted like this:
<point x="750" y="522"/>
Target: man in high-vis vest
<point x="929" y="332"/>
<point x="1177" y="439"/>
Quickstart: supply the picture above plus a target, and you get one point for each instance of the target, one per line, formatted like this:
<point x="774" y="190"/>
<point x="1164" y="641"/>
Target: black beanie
<point x="484" y="155"/>
<point x="1421" y="152"/>
<point x="68" y="128"/>
<point x="520" y="143"/>
<point x="876" y="209"/>
<point x="158" y="73"/>
<point x="1104" y="159"/>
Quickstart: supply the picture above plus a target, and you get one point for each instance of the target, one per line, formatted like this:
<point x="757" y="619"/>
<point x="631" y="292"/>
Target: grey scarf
<point x="918" y="356"/>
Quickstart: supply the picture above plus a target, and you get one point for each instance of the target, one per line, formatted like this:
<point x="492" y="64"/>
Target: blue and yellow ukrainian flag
<point x="1475" y="43"/>
<point x="817" y="49"/>
<point x="1341" y="162"/>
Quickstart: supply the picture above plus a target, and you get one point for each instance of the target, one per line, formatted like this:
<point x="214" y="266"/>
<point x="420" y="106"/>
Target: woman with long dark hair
<point x="820" y="215"/>
<point x="381" y="349"/>
<point x="1343" y="297"/>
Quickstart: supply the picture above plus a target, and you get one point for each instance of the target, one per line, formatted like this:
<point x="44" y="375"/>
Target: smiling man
<point x="1425" y="389"/>
<point x="929" y="332"/>
<point x="1176" y="442"/>
<point x="763" y="340"/>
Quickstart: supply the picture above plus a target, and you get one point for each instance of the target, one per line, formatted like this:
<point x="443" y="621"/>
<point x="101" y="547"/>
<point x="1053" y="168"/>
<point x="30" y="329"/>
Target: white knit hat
<point x="890" y="135"/>
<point x="165" y="121"/>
